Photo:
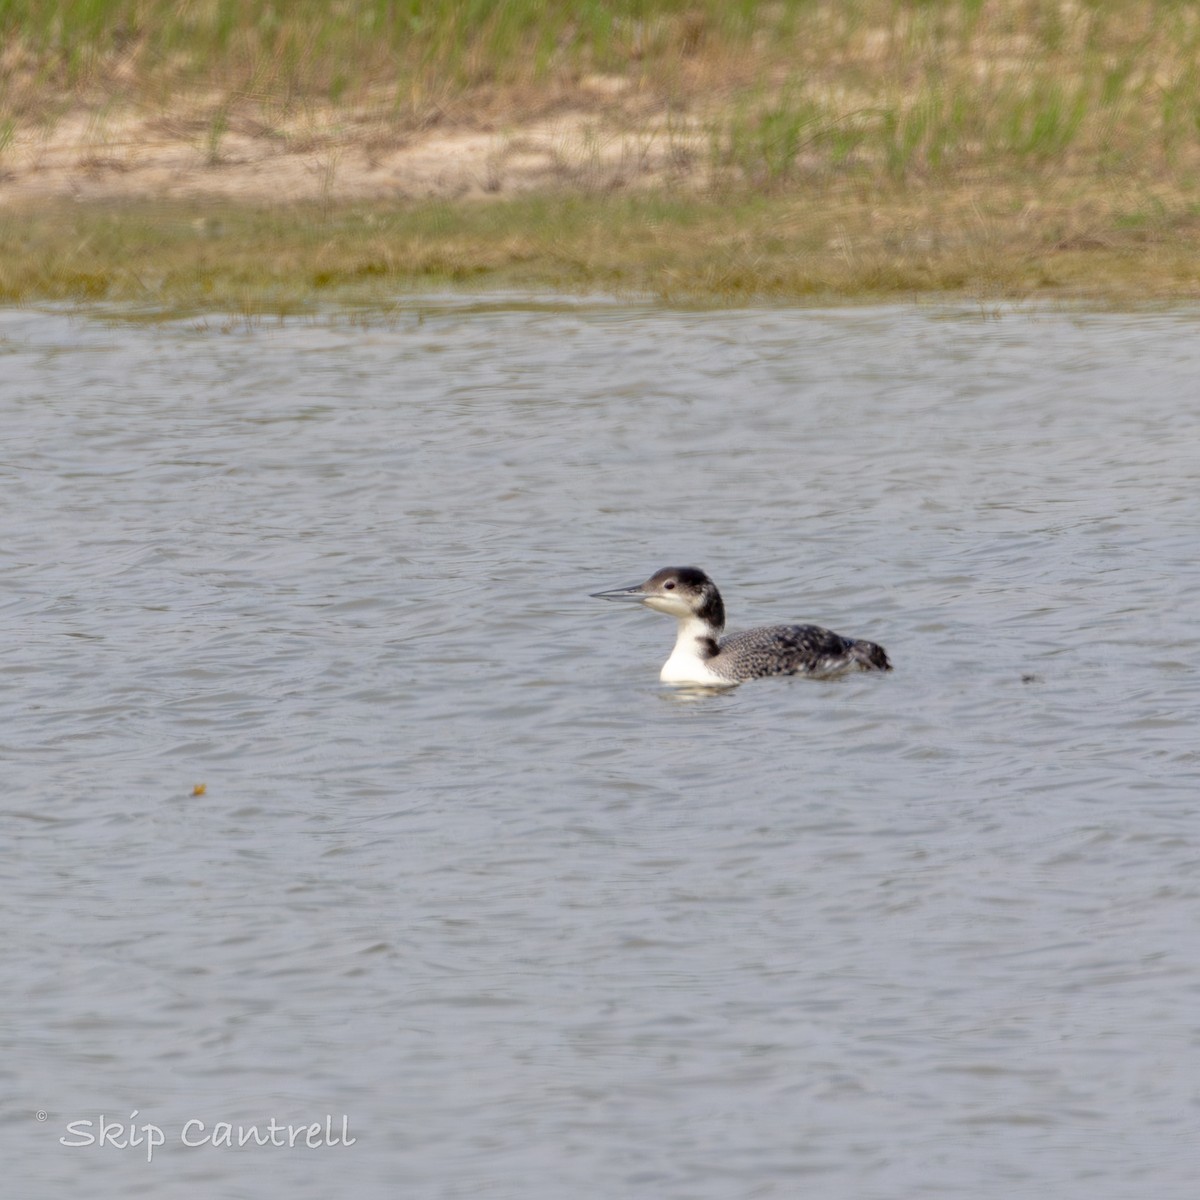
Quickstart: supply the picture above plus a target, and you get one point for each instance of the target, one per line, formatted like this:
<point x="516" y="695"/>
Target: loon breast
<point x="694" y="661"/>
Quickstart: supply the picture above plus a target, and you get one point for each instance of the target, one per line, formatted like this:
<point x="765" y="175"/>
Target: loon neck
<point x="695" y="645"/>
<point x="696" y="629"/>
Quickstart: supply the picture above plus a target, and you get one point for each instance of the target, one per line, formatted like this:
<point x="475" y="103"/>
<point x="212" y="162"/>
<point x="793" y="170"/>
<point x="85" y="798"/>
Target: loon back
<point x="701" y="656"/>
<point x="800" y="650"/>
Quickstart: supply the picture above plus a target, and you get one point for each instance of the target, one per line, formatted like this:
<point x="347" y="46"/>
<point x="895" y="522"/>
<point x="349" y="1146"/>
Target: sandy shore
<point x="340" y="156"/>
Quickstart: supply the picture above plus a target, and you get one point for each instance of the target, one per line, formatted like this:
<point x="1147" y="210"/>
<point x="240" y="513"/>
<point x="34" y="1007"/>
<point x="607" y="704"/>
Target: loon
<point x="702" y="656"/>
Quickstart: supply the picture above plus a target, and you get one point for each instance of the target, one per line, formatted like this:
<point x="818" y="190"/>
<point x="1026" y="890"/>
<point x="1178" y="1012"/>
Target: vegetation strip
<point x="192" y="257"/>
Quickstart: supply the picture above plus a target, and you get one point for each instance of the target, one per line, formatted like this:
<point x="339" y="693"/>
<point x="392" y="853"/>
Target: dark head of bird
<point x="681" y="592"/>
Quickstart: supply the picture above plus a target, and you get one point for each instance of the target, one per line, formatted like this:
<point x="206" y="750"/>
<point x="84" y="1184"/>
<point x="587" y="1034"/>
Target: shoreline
<point x="252" y="159"/>
<point x="340" y="207"/>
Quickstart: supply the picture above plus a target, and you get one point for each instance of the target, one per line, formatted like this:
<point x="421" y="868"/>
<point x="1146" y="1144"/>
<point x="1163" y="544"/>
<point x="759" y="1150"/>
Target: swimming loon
<point x="701" y="656"/>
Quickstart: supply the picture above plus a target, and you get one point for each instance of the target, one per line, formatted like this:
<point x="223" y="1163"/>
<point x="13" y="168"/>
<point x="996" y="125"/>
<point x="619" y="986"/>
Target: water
<point x="465" y="874"/>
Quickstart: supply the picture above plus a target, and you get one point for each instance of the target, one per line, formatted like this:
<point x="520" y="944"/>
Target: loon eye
<point x="669" y="586"/>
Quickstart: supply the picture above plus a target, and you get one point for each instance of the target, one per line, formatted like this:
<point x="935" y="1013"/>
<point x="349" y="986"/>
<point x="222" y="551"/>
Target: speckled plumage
<point x="702" y="656"/>
<point x="795" y="650"/>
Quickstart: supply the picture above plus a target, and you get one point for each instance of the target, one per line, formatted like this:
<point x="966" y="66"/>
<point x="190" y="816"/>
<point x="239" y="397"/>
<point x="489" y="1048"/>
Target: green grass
<point x="331" y="49"/>
<point x="903" y="89"/>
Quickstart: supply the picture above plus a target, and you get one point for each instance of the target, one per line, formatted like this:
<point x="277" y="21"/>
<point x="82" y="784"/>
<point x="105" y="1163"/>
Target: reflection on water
<point x="465" y="873"/>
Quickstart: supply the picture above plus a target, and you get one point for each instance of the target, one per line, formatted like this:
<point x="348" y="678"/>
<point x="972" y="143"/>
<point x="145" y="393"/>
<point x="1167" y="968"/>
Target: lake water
<point x="465" y="875"/>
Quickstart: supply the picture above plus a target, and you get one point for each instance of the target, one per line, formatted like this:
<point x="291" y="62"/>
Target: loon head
<point x="685" y="593"/>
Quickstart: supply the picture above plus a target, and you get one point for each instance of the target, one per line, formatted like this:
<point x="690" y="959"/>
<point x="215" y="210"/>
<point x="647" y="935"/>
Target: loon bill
<point x="702" y="656"/>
